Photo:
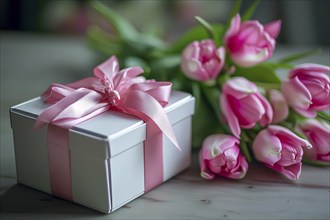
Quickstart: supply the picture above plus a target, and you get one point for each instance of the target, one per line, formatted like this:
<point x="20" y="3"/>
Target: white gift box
<point x="106" y="153"/>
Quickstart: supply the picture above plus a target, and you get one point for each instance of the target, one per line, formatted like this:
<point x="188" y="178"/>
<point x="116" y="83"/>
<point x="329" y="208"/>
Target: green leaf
<point x="250" y="11"/>
<point x="143" y="45"/>
<point x="292" y="127"/>
<point x="315" y="162"/>
<point x="149" y="41"/>
<point x="136" y="61"/>
<point x="123" y="27"/>
<point x="103" y="42"/>
<point x="212" y="95"/>
<point x="136" y="43"/>
<point x="169" y="61"/>
<point x="260" y="73"/>
<point x="207" y="26"/>
<point x="299" y="134"/>
<point x="219" y="31"/>
<point x="180" y="81"/>
<point x="299" y="56"/>
<point x="204" y="120"/>
<point x="196" y="93"/>
<point x="194" y="34"/>
<point x="279" y="65"/>
<point x="324" y="116"/>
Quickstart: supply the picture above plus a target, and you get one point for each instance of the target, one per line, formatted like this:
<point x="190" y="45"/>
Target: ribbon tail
<point x="144" y="106"/>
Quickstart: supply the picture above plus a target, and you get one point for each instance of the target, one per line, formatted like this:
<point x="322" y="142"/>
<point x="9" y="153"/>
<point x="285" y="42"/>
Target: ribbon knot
<point x="113" y="97"/>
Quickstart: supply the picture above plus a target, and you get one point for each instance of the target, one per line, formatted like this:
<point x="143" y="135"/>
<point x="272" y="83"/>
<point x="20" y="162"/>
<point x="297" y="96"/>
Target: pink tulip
<point x="307" y="89"/>
<point x="279" y="105"/>
<point x="318" y="133"/>
<point x="220" y="155"/>
<point x="243" y="106"/>
<point x="202" y="61"/>
<point x="280" y="149"/>
<point x="249" y="42"/>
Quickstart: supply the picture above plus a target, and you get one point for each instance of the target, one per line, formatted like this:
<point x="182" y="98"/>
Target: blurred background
<point x="306" y="22"/>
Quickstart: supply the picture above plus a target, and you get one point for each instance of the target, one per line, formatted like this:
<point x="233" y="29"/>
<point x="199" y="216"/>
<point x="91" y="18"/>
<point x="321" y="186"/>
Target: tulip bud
<point x="220" y="155"/>
<point x="249" y="42"/>
<point x="318" y="133"/>
<point x="280" y="149"/>
<point x="308" y="89"/>
<point x="202" y="61"/>
<point x="243" y="105"/>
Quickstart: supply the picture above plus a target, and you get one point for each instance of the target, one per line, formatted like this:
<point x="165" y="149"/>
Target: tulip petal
<point x="232" y="153"/>
<point x="290" y="155"/>
<point x="192" y="51"/>
<point x="230" y="116"/>
<point x="315" y="87"/>
<point x="325" y="158"/>
<point x="292" y="172"/>
<point x="194" y="70"/>
<point x="306" y="113"/>
<point x="221" y="53"/>
<point x="285" y="134"/>
<point x="279" y="105"/>
<point x="234" y="28"/>
<point x="239" y="171"/>
<point x="248" y="56"/>
<point x="239" y="87"/>
<point x="296" y="94"/>
<point x="268" y="116"/>
<point x="318" y="134"/>
<point x="273" y="28"/>
<point x="310" y="67"/>
<point x="212" y="67"/>
<point x="251" y="32"/>
<point x="216" y="144"/>
<point x="267" y="147"/>
<point x="205" y="172"/>
<point x="249" y="110"/>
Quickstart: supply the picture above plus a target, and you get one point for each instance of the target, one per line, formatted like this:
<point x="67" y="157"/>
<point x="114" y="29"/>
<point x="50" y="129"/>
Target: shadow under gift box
<point x="106" y="152"/>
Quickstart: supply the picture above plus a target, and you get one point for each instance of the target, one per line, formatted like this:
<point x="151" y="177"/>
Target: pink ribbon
<point x="111" y="88"/>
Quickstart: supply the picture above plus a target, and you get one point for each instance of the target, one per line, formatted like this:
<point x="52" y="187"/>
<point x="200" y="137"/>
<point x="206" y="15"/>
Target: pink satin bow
<point x="111" y="88"/>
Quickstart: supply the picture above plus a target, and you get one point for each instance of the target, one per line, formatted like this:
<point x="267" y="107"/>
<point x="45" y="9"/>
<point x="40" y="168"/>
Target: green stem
<point x="222" y="79"/>
<point x="207" y="27"/>
<point x="244" y="147"/>
<point x="316" y="162"/>
<point x="296" y="57"/>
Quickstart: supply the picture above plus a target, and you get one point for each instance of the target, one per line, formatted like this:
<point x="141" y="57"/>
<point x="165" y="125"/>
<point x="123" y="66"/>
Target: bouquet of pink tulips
<point x="244" y="112"/>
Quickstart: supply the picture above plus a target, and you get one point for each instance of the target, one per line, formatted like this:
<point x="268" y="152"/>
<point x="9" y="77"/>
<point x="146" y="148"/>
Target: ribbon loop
<point x="83" y="99"/>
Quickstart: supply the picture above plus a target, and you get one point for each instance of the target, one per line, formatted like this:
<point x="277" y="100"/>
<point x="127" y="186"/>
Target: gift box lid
<point x="120" y="131"/>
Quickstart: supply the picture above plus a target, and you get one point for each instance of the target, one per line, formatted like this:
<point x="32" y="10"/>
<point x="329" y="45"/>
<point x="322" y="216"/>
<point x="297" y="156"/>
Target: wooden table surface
<point x="29" y="63"/>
